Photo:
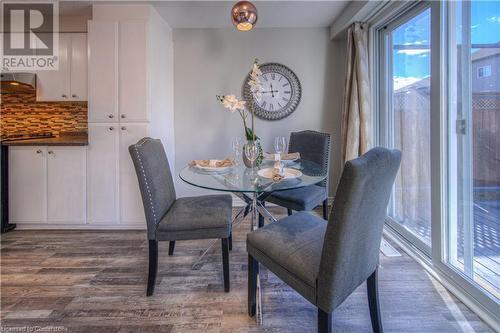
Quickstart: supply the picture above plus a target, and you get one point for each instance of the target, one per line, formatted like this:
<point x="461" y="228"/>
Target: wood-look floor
<point x="95" y="281"/>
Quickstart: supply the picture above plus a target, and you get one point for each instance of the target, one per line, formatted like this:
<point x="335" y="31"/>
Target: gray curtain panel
<point x="356" y="123"/>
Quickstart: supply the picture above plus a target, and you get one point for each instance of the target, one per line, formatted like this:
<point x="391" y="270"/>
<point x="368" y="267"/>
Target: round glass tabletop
<point x="241" y="179"/>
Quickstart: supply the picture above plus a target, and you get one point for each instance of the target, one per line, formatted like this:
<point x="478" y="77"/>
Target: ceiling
<point x="75" y="8"/>
<point x="271" y="14"/>
<point x="215" y="14"/>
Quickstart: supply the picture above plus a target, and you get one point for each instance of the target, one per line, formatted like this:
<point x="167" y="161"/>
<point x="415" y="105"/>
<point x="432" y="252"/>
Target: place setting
<point x="279" y="159"/>
<point x="277" y="166"/>
<point x="213" y="165"/>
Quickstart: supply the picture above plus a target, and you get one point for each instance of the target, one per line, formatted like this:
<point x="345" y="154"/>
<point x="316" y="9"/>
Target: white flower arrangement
<point x="254" y="82"/>
<point x="233" y="104"/>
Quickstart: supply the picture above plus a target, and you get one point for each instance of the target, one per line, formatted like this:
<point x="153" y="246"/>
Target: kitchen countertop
<point x="63" y="140"/>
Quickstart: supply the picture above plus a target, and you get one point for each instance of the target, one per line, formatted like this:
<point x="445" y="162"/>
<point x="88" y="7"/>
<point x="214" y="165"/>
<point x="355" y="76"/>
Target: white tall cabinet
<point x="122" y="108"/>
<point x="103" y="71"/>
<point x="102" y="171"/>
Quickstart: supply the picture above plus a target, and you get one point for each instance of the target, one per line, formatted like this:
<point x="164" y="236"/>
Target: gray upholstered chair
<point x="312" y="146"/>
<point x="326" y="261"/>
<point x="171" y="219"/>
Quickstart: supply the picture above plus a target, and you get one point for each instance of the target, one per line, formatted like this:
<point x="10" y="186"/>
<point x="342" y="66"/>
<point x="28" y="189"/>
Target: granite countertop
<point x="63" y="140"/>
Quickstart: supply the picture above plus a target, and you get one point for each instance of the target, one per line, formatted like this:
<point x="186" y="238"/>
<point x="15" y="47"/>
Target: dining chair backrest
<point x="313" y="146"/>
<point x="352" y="240"/>
<point x="155" y="180"/>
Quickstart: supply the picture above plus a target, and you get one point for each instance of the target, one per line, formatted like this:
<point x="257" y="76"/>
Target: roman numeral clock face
<point x="280" y="94"/>
<point x="276" y="93"/>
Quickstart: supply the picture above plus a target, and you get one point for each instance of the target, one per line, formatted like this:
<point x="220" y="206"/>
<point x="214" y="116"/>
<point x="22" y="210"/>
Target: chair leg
<point x="324" y="321"/>
<point x="373" y="303"/>
<point x="171" y="247"/>
<point x="153" y="266"/>
<point x="225" y="263"/>
<point x="289" y="211"/>
<point x="261" y="217"/>
<point x="231" y="241"/>
<point x="325" y="209"/>
<point x="253" y="270"/>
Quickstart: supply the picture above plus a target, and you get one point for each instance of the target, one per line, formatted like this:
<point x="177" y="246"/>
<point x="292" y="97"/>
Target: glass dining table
<point x="252" y="189"/>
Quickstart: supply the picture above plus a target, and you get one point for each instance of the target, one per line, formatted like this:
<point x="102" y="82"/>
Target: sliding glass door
<point x="438" y="90"/>
<point x="407" y="76"/>
<point x="474" y="141"/>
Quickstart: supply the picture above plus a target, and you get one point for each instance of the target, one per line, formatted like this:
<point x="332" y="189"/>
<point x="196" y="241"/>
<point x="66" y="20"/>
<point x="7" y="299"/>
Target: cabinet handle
<point x="38" y="151"/>
<point x="111" y="128"/>
<point x="64" y="96"/>
<point x="123" y="128"/>
<point x="123" y="116"/>
<point x="110" y="116"/>
<point x="74" y="96"/>
<point x="51" y="152"/>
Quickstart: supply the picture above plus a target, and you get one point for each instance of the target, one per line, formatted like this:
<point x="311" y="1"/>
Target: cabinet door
<point x="66" y="184"/>
<point x="53" y="85"/>
<point x="102" y="71"/>
<point x="78" y="67"/>
<point x="102" y="174"/>
<point x="27" y="184"/>
<point x="131" y="209"/>
<point x="133" y="66"/>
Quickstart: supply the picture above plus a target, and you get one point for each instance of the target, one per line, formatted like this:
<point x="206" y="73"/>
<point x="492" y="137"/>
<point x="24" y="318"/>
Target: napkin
<point x="284" y="156"/>
<point x="277" y="176"/>
<point x="213" y="163"/>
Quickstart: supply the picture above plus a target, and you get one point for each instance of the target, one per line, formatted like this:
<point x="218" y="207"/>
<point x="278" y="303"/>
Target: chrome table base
<point x="254" y="206"/>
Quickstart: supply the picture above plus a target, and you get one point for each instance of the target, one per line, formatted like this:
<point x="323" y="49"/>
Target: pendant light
<point x="244" y="15"/>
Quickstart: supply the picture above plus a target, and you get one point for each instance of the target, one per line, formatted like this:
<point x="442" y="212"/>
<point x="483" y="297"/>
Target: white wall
<point x="208" y="62"/>
<point x="161" y="57"/>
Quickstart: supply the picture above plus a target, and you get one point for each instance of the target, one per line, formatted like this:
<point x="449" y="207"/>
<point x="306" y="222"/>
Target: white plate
<point x="212" y="167"/>
<point x="289" y="173"/>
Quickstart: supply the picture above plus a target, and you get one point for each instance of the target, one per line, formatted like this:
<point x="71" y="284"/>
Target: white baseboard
<point x="237" y="202"/>
<point x="38" y="226"/>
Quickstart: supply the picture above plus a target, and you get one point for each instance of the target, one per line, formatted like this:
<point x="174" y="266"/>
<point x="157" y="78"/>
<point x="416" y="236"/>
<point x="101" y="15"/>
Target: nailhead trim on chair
<point x="145" y="179"/>
<point x="327" y="160"/>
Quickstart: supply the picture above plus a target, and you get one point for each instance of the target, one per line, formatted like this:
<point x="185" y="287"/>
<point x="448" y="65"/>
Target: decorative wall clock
<point x="281" y="92"/>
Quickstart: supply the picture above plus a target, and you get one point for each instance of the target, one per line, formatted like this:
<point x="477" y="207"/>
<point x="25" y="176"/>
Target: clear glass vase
<point x="260" y="155"/>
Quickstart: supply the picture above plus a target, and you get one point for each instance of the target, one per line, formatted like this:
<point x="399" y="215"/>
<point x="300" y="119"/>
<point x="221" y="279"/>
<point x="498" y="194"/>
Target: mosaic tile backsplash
<point x="20" y="113"/>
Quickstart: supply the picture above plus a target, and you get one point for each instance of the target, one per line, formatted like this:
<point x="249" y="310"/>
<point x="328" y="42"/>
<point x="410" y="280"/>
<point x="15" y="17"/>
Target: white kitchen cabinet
<point x="103" y="71"/>
<point x="113" y="190"/>
<point x="53" y="85"/>
<point x="69" y="81"/>
<point x="66" y="185"/>
<point x="102" y="174"/>
<point x="133" y="80"/>
<point x="27" y="184"/>
<point x="129" y="52"/>
<point x="118" y="47"/>
<point x="131" y="209"/>
<point x="78" y="67"/>
<point x="47" y="185"/>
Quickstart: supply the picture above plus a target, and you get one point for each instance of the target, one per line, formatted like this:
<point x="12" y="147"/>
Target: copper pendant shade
<point x="244" y="15"/>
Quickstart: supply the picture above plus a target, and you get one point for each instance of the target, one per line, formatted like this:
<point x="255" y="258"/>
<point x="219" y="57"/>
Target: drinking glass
<point x="280" y="144"/>
<point x="279" y="147"/>
<point x="251" y="151"/>
<point x="237" y="149"/>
